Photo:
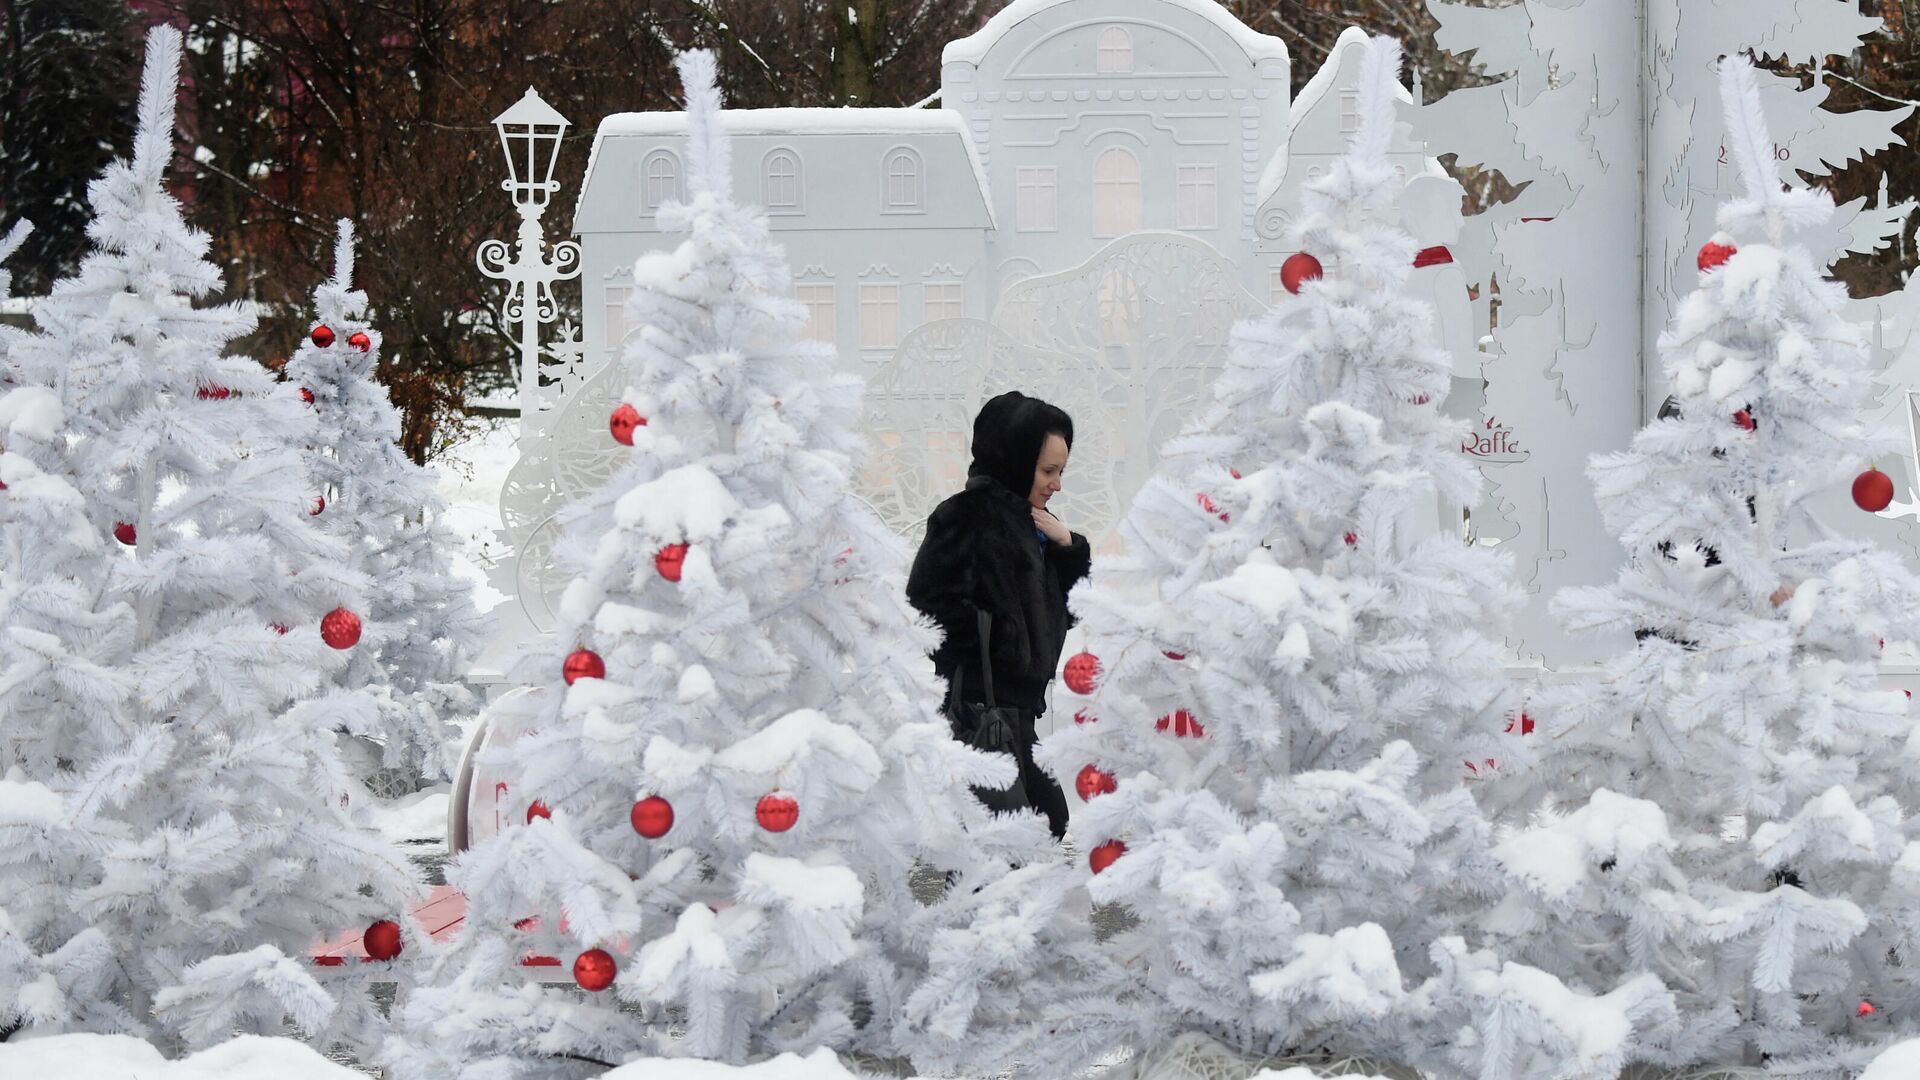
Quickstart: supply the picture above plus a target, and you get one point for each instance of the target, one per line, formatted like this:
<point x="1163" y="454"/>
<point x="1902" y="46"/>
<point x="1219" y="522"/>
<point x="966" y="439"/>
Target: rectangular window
<point x="1349" y="111"/>
<point x="616" y="315"/>
<point x="1197" y="206"/>
<point x="879" y="316"/>
<point x="819" y="301"/>
<point x="1034" y="209"/>
<point x="941" y="300"/>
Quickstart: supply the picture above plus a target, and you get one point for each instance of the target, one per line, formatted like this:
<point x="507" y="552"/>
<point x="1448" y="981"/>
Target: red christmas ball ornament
<point x="1083" y="669"/>
<point x="1082" y="716"/>
<point x="340" y="628"/>
<point x="306" y="395"/>
<point x="123" y="532"/>
<point x="1523" y="722"/>
<point x="322" y="335"/>
<point x="538" y="809"/>
<point x="1872" y="490"/>
<point x="583" y="664"/>
<point x="359" y="340"/>
<point x="319" y="504"/>
<point x="670" y="561"/>
<point x="1235" y="473"/>
<point x="594" y="970"/>
<point x="1093" y="781"/>
<point x="776" y="812"/>
<point x="1744" y="420"/>
<point x="1865" y="1009"/>
<point x="1171" y="655"/>
<point x="382" y="940"/>
<point x="652" y="817"/>
<point x="1299" y="269"/>
<point x="1351" y="539"/>
<point x="1182" y="723"/>
<point x="623" y="422"/>
<point x="1715" y="253"/>
<point x="1105" y="855"/>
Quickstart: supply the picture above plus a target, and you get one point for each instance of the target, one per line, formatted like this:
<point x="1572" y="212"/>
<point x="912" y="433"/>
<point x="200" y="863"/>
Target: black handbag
<point x="990" y="727"/>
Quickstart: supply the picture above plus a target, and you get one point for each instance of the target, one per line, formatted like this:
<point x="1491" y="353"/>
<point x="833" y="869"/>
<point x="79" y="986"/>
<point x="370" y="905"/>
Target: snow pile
<point x="123" y="1057"/>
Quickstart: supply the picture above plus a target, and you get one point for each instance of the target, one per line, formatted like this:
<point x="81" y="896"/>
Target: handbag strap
<point x="984" y="622"/>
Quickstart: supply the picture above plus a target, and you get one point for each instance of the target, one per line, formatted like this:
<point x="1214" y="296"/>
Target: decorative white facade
<point x="1101" y="193"/>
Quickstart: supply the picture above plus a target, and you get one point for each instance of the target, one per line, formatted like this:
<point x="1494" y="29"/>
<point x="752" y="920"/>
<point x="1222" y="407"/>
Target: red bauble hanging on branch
<point x="583" y="664"/>
<point x="652" y="817"/>
<point x="1183" y="724"/>
<point x="538" y="809"/>
<point x="1522" y="723"/>
<point x="1743" y="419"/>
<point x="1715" y="253"/>
<point x="1093" y="781"/>
<point x="306" y="395"/>
<point x="123" y="532"/>
<point x="776" y="812"/>
<point x="1105" y="855"/>
<point x="623" y="422"/>
<point x="671" y="561"/>
<point x="340" y="628"/>
<point x="319" y="503"/>
<point x="382" y="940"/>
<point x="359" y="340"/>
<point x="1872" y="490"/>
<point x="1299" y="269"/>
<point x="594" y="970"/>
<point x="322" y="335"/>
<point x="1083" y="670"/>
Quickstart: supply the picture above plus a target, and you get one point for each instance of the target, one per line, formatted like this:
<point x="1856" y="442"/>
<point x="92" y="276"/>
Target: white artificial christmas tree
<point x="419" y="627"/>
<point x="1737" y="790"/>
<point x="173" y="835"/>
<point x="738" y="757"/>
<point x="1292" y="683"/>
<point x="8" y="245"/>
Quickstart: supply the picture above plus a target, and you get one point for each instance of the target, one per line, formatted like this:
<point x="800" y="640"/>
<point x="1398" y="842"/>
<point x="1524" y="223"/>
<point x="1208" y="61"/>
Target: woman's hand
<point x="1047" y="523"/>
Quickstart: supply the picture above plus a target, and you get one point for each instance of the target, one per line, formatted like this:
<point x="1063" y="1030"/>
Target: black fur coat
<point x="982" y="552"/>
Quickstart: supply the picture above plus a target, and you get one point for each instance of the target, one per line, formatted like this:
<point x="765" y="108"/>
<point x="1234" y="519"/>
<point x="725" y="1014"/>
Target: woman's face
<point x="1048" y="470"/>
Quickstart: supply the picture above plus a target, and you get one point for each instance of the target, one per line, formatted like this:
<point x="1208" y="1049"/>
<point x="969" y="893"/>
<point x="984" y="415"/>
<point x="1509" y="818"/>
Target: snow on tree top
<point x="32" y="412"/>
<point x="777" y="880"/>
<point x="688" y="504"/>
<point x="1555" y="858"/>
<point x="789" y="741"/>
<point x="27" y="802"/>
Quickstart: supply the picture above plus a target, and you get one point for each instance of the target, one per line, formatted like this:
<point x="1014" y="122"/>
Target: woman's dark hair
<point x="1008" y="434"/>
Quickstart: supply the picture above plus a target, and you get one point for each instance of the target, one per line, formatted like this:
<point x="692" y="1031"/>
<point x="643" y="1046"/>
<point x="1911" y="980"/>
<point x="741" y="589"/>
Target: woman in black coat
<point x="995" y="547"/>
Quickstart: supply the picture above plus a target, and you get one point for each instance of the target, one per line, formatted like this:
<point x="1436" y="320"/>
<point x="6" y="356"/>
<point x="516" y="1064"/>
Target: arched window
<point x="659" y="180"/>
<point x="1116" y="192"/>
<point x="780" y="189"/>
<point x="1116" y="51"/>
<point x="902" y="181"/>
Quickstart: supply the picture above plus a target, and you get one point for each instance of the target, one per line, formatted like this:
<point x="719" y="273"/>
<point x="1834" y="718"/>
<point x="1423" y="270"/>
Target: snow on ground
<point x="416" y="817"/>
<point x="1901" y="1061"/>
<point x="819" y="1065"/>
<point x="123" y="1057"/>
<point x="469" y="475"/>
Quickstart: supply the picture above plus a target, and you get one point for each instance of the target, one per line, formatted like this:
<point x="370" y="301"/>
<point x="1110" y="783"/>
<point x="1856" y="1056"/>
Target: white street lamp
<point x="530" y="132"/>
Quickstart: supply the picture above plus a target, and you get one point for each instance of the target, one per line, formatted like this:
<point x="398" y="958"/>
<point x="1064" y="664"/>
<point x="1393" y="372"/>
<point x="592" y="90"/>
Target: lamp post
<point x="530" y="132"/>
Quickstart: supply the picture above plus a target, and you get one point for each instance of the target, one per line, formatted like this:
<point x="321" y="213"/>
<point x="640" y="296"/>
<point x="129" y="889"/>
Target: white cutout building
<point x="1102" y="191"/>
